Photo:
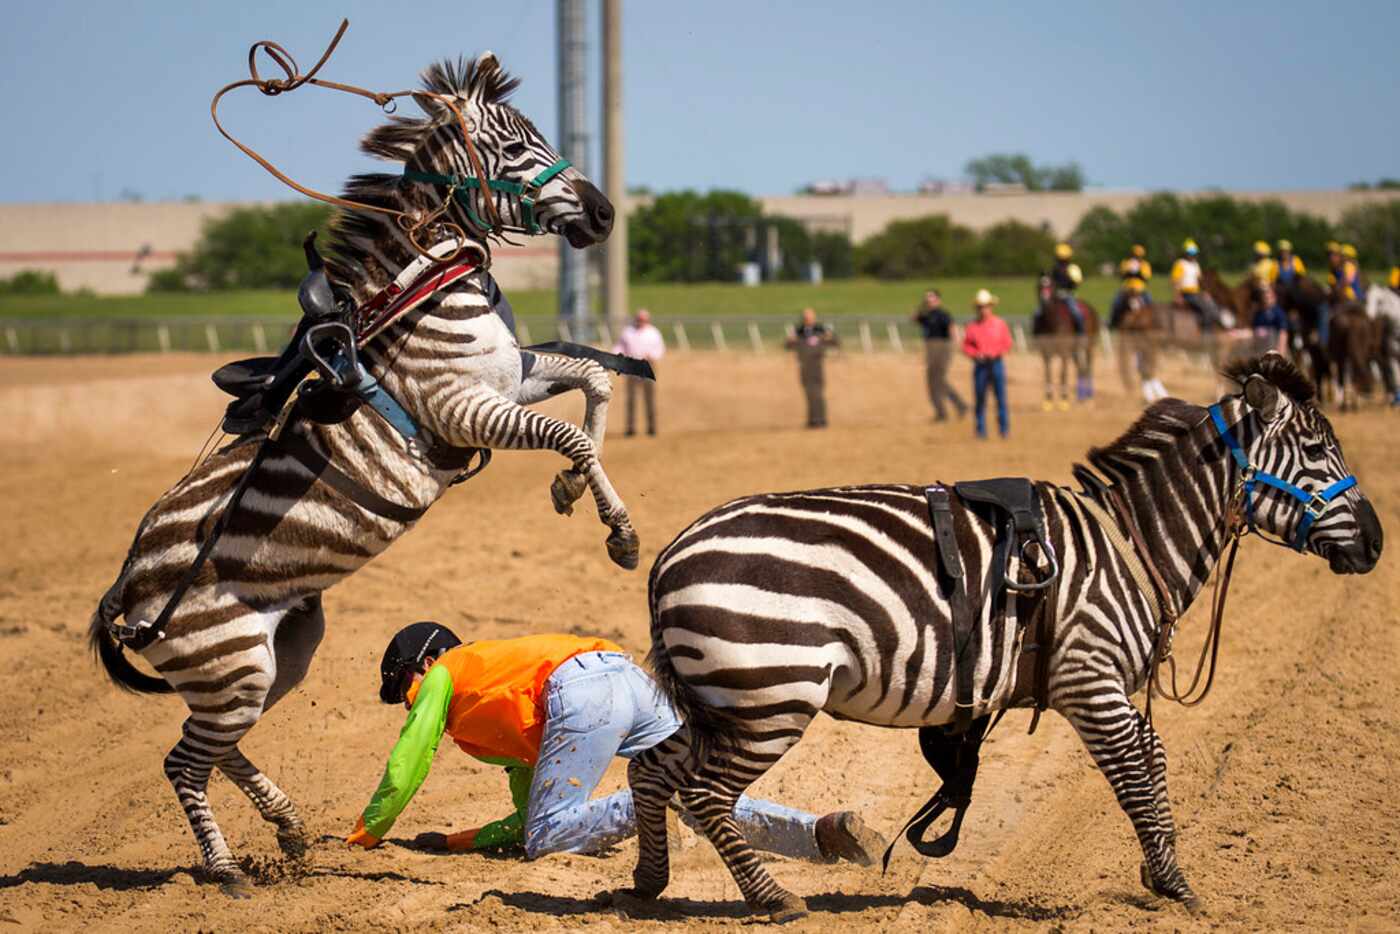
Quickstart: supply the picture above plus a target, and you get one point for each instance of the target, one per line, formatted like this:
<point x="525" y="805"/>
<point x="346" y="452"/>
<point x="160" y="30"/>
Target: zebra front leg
<point x="1110" y="729"/>
<point x="553" y="374"/>
<point x="481" y="417"/>
<point x="272" y="803"/>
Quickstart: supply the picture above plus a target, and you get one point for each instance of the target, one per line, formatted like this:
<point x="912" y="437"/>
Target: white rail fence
<point x="262" y="335"/>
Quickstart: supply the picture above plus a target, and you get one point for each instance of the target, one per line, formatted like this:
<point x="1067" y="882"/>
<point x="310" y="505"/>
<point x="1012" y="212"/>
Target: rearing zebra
<point x="773" y="608"/>
<point x="244" y="634"/>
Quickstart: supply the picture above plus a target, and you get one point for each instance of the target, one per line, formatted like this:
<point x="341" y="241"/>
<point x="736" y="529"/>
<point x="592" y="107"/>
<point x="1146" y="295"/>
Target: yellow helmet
<point x="1063" y="251"/>
<point x="1395" y="277"/>
<point x="1285" y="246"/>
<point x="1348" y="251"/>
<point x="1139" y="250"/>
<point x="1190" y="247"/>
<point x="1261" y="248"/>
<point x="1333" y="246"/>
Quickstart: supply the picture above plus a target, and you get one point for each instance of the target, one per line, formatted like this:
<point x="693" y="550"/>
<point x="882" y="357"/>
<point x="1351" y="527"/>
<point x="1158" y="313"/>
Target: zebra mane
<point x="398" y="139"/>
<point x="1158" y="429"/>
<point x="1278" y="370"/>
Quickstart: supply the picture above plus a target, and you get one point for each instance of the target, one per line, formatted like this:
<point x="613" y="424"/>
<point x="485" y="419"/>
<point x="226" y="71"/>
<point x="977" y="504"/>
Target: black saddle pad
<point x="1012" y="496"/>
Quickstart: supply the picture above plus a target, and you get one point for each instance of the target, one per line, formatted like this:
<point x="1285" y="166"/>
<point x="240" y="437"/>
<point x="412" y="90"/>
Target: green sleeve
<point x="509" y="831"/>
<point x="413" y="753"/>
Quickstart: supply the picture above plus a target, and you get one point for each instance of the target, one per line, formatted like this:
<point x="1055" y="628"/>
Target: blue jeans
<point x="990" y="373"/>
<point x="599" y="705"/>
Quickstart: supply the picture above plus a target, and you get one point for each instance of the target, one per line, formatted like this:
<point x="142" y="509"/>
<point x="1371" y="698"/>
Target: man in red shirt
<point x="986" y="341"/>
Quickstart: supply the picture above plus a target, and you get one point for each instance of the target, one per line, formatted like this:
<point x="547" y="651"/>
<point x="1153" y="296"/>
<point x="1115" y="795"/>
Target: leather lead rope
<point x="411" y="223"/>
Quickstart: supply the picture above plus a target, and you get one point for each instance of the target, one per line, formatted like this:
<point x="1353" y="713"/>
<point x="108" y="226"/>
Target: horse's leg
<point x="1110" y="728"/>
<point x="1046" y="361"/>
<point x="225" y="684"/>
<point x="298" y="636"/>
<point x="1065" y="354"/>
<point x="552" y="374"/>
<point x="481" y="417"/>
<point x="654" y="777"/>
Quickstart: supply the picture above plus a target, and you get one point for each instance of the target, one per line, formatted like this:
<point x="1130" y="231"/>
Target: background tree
<point x="683" y="236"/>
<point x="1375" y="229"/>
<point x="926" y="246"/>
<point x="1017" y="168"/>
<point x="255" y="247"/>
<point x="1012" y="248"/>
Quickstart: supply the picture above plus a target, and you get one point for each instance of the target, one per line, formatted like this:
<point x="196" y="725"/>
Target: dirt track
<point x="1283" y="782"/>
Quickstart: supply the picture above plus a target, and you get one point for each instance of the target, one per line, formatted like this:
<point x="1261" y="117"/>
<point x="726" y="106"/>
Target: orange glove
<point x="362" y="837"/>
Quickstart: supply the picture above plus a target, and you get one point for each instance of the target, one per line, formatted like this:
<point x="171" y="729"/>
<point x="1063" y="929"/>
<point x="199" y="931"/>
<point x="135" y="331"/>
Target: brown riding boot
<point x="843" y="835"/>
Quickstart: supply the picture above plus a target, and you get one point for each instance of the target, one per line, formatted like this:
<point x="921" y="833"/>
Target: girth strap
<point x="294" y="443"/>
<point x="965" y="615"/>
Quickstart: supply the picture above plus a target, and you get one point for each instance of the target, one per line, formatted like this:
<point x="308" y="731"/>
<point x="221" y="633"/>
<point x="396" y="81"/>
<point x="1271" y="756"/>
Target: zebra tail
<point x="710" y="727"/>
<point x="106" y="647"/>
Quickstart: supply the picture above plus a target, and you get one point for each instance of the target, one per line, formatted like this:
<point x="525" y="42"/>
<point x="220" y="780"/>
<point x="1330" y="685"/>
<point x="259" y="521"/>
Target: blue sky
<point x="101" y="98"/>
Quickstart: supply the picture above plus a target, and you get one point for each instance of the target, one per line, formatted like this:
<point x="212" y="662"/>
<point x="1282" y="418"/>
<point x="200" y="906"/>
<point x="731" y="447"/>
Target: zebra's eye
<point x="1315" y="451"/>
<point x="513" y="150"/>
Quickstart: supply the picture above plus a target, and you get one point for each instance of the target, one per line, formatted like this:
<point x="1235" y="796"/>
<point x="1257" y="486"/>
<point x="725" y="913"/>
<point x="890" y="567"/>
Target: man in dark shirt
<point x="938" y="328"/>
<point x="811" y="341"/>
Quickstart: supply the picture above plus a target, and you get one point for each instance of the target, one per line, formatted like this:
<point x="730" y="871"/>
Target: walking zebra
<point x="773" y="608"/>
<point x="245" y="631"/>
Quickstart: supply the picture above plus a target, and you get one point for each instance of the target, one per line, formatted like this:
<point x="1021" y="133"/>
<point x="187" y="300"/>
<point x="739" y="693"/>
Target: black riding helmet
<point x="406" y="652"/>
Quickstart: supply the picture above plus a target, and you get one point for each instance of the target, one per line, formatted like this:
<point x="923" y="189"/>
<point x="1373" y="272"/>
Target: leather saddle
<point x="324" y="341"/>
<point x="1012" y="507"/>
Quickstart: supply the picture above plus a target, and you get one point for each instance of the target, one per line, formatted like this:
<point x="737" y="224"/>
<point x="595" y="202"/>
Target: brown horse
<point x="1057" y="338"/>
<point x="1140" y="335"/>
<point x="1357" y="340"/>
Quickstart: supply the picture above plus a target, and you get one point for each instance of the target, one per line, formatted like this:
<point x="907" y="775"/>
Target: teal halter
<point x="459" y="186"/>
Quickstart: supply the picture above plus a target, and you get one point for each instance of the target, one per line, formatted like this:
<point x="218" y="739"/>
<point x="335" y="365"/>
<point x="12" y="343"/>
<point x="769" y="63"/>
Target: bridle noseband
<point x="458" y="188"/>
<point x="1314" y="504"/>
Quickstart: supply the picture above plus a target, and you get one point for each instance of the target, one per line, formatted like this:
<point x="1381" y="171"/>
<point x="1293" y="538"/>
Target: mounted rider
<point x="1263" y="270"/>
<point x="1345" y="279"/>
<point x="1066" y="277"/>
<point x="1289" y="268"/>
<point x="1186" y="285"/>
<point x="1135" y="272"/>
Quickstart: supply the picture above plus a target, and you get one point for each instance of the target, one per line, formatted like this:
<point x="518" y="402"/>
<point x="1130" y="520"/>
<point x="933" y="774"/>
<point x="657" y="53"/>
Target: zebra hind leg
<point x="298" y="636"/>
<point x="710" y="799"/>
<point x="1112" y="732"/>
<point x="654" y="777"/>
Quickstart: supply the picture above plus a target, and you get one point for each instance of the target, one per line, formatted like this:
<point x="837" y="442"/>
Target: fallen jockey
<point x="553" y="711"/>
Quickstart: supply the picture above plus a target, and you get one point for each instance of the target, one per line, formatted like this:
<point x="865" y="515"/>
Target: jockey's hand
<point x="362" y="837"/>
<point x="446" y="842"/>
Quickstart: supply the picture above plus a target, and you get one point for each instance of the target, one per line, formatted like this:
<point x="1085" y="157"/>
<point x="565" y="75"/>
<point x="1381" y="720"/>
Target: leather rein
<point x="411" y="223"/>
<point x="1238" y="521"/>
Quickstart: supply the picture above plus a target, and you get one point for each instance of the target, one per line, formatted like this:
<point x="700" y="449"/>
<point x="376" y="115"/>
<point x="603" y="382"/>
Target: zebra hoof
<point x="624" y="548"/>
<point x="788" y="910"/>
<point x="237" y="888"/>
<point x="567" y="487"/>
<point x="292" y="843"/>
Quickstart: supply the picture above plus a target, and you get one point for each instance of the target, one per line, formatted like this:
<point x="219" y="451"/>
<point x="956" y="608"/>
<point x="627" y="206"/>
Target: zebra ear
<point x="1262" y="396"/>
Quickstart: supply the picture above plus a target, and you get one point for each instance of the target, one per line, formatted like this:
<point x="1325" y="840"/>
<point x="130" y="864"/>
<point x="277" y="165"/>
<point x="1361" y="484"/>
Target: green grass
<point x="832" y="298"/>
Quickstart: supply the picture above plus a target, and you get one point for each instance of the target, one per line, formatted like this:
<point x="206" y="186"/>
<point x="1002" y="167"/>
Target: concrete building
<point x="111" y="248"/>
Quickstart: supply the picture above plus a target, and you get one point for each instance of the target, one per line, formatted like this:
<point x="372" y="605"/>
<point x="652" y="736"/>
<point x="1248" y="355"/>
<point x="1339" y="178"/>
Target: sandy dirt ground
<point x="1283" y="782"/>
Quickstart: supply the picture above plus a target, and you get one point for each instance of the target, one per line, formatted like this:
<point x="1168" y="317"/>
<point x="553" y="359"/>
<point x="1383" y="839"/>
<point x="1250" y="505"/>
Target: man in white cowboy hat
<point x="986" y="340"/>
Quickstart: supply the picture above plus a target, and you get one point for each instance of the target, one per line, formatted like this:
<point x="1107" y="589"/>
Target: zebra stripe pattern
<point x="245" y="632"/>
<point x="774" y="607"/>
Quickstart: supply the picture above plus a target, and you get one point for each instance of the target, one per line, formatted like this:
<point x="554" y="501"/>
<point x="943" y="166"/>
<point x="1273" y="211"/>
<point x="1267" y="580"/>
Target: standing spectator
<point x="642" y="340"/>
<point x="986" y="341"/>
<point x="939" y="333"/>
<point x="811" y="341"/>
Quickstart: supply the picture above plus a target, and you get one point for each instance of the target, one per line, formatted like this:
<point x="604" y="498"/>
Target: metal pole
<point x="573" y="143"/>
<point x="614" y="172"/>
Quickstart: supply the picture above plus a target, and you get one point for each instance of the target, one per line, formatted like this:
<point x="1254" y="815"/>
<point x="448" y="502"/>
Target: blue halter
<point x="1313" y="503"/>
